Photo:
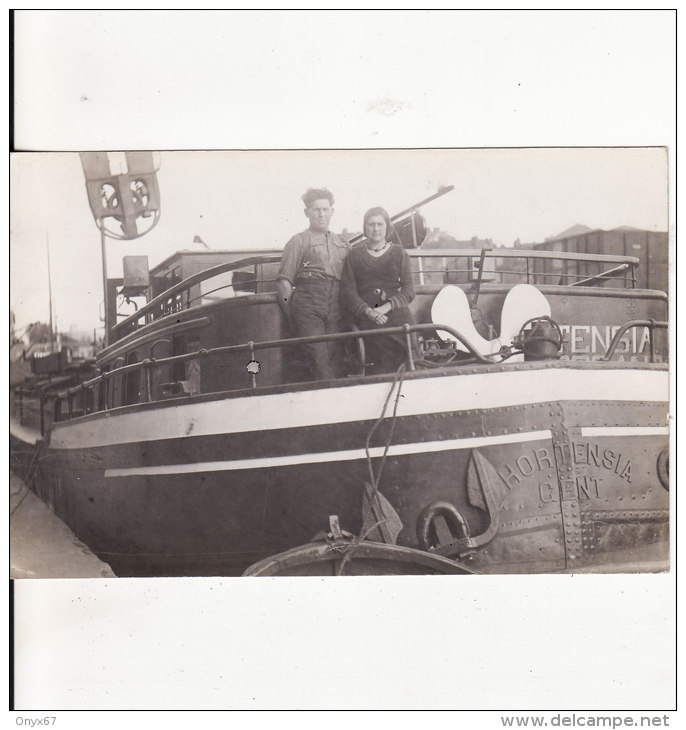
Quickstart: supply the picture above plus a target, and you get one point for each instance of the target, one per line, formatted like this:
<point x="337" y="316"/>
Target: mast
<point x="52" y="331"/>
<point x="105" y="295"/>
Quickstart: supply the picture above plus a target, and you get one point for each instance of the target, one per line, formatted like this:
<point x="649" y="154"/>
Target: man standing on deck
<point x="308" y="283"/>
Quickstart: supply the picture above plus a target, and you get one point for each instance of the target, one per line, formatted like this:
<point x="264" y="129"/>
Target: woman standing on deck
<point x="376" y="289"/>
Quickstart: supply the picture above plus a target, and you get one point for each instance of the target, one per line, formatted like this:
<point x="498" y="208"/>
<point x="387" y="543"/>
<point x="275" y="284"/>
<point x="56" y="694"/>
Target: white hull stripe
<point x="591" y="431"/>
<point x="362" y="402"/>
<point x="329" y="456"/>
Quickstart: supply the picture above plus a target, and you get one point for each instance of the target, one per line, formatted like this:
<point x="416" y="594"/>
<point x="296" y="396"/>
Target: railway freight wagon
<point x="651" y="248"/>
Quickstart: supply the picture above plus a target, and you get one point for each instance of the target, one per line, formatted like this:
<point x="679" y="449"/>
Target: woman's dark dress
<point x="370" y="281"/>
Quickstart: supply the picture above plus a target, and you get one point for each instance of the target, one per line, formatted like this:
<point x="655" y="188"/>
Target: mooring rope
<point x="398" y="379"/>
<point x="367" y="518"/>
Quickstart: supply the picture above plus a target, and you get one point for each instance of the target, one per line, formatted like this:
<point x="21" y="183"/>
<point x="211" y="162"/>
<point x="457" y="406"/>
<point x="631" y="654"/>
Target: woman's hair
<point x="379" y="211"/>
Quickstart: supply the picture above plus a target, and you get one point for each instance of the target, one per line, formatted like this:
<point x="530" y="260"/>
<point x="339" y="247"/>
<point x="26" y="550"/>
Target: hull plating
<point x="553" y="468"/>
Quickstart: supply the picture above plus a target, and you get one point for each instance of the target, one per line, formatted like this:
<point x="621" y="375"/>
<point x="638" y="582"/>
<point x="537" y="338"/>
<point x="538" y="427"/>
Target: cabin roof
<point x="177" y="256"/>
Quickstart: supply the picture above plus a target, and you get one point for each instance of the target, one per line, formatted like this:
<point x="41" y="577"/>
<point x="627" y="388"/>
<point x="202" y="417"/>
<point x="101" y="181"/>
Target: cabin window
<point x="79" y="407"/>
<point x="93" y="401"/>
<point x="188" y="372"/>
<point x="160" y="374"/>
<point x="193" y="375"/>
<point x="116" y="391"/>
<point x="192" y="367"/>
<point x="244" y="282"/>
<point x="104" y="391"/>
<point x="132" y="381"/>
<point x="168" y="280"/>
<point x="214" y="289"/>
<point x="226" y="285"/>
<point x="116" y="384"/>
<point x="76" y="404"/>
<point x="266" y="277"/>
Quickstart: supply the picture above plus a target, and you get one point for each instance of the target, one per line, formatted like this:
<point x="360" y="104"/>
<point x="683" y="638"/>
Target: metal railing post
<point x="408" y="343"/>
<point x="651" y="339"/>
<point x="253" y="376"/>
<point x="477" y="288"/>
<point x="148" y="363"/>
<point x="420" y="271"/>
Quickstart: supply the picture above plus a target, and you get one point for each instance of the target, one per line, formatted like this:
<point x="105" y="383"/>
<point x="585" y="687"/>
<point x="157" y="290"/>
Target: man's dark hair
<point x="313" y="194"/>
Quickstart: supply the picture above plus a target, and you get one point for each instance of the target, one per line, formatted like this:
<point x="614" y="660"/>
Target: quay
<point x="42" y="546"/>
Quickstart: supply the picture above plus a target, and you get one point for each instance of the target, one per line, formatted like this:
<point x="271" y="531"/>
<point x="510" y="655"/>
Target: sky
<point x="251" y="199"/>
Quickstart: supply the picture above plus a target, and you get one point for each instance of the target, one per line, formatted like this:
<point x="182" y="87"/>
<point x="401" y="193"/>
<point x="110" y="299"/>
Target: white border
<point x="482" y="78"/>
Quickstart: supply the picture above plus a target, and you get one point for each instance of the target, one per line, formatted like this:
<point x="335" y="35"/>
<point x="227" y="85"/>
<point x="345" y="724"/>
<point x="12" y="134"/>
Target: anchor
<point x="448" y="527"/>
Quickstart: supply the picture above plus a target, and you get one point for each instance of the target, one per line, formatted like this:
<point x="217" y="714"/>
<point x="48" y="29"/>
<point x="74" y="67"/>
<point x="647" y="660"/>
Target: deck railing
<point x="536" y="266"/>
<point x="178" y="297"/>
<point x="650" y="323"/>
<point x="85" y="391"/>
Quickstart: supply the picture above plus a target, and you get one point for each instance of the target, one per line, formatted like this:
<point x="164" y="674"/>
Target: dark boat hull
<point x="553" y="468"/>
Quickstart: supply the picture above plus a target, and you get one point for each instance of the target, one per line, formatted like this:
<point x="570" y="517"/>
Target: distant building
<point x="576" y="230"/>
<point x="345" y="233"/>
<point x="436" y="238"/>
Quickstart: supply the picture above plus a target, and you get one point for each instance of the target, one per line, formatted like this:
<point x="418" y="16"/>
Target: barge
<point x="526" y="432"/>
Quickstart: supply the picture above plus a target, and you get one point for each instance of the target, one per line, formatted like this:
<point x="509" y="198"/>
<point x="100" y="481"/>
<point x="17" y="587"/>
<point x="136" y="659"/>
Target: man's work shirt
<point x="313" y="255"/>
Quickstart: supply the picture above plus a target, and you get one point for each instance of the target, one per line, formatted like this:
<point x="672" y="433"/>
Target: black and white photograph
<point x="346" y="381"/>
<point x="285" y="395"/>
